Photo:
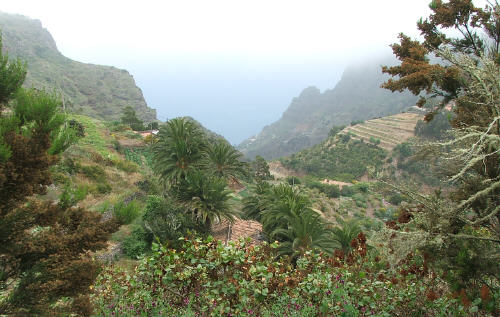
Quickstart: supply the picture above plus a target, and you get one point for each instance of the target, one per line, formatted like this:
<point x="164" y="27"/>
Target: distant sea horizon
<point x="233" y="95"/>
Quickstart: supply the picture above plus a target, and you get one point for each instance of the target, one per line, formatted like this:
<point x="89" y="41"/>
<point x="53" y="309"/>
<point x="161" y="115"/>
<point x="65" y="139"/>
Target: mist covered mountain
<point x="310" y="116"/>
<point x="95" y="90"/>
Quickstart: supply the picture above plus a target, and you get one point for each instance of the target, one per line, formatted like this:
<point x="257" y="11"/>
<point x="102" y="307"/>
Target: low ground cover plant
<point x="207" y="278"/>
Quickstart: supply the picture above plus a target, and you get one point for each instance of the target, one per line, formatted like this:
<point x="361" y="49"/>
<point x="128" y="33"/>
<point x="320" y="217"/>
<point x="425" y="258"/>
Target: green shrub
<point x="396" y="199"/>
<point x="354" y="122"/>
<point x="69" y="166"/>
<point x="102" y="188"/>
<point x="334" y="130"/>
<point x="361" y="187"/>
<point x="60" y="178"/>
<point x="332" y="191"/>
<point x="116" y="126"/>
<point x="347" y="191"/>
<point x="70" y="197"/>
<point x="150" y="186"/>
<point x="136" y="244"/>
<point x="117" y="146"/>
<point x="345" y="161"/>
<point x="375" y="141"/>
<point x="315" y="185"/>
<point x="126" y="213"/>
<point x="94" y="172"/>
<point x="166" y="221"/>
<point x="360" y="200"/>
<point x="385" y="214"/>
<point x="126" y="166"/>
<point x="238" y="280"/>
<point x="293" y="180"/>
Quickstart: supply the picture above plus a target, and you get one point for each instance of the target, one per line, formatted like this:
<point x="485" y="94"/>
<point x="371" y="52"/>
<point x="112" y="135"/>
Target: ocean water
<point x="235" y="96"/>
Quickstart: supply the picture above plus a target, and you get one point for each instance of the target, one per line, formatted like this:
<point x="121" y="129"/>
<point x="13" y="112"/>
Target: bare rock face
<point x="98" y="91"/>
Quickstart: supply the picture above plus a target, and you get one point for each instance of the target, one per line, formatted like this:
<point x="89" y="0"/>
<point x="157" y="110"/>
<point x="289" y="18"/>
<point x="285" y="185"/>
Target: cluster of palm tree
<point x="195" y="169"/>
<point x="286" y="216"/>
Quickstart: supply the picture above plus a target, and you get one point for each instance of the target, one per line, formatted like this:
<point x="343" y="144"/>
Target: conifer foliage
<point x="43" y="247"/>
<point x="462" y="231"/>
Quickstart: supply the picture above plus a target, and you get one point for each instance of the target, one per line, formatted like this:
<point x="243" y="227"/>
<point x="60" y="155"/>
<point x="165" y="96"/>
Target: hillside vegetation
<point x="94" y="90"/>
<point x="385" y="132"/>
<point x="99" y="220"/>
<point x="350" y="153"/>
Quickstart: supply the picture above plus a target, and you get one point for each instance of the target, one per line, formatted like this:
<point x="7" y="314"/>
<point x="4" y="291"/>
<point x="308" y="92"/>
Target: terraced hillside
<point x="349" y="154"/>
<point x="391" y="130"/>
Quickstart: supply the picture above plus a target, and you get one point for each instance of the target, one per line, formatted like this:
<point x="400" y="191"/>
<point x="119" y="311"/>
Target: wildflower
<point x="329" y="292"/>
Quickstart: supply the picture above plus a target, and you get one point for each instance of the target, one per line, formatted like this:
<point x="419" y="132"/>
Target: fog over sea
<point x="232" y="95"/>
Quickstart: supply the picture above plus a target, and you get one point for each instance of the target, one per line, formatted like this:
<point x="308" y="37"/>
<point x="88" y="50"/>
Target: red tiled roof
<point x="225" y="231"/>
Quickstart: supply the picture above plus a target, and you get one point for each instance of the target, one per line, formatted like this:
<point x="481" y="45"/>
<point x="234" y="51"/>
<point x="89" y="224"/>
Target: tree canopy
<point x="44" y="248"/>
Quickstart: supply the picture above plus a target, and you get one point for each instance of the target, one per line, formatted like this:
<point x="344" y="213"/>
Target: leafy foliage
<point x="205" y="197"/>
<point x="215" y="280"/>
<point x="130" y="118"/>
<point x="224" y="160"/>
<point x="260" y="169"/>
<point x="125" y="213"/>
<point x="459" y="232"/>
<point x="345" y="160"/>
<point x="12" y="76"/>
<point x="178" y="151"/>
<point x="165" y="221"/>
<point x="42" y="245"/>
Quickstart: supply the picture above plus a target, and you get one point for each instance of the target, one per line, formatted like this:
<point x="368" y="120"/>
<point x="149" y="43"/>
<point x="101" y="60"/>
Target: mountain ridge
<point x="310" y="116"/>
<point x="95" y="90"/>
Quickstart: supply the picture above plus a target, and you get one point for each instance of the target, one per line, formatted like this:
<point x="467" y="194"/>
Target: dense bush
<point x="347" y="191"/>
<point x="126" y="213"/>
<point x="332" y="191"/>
<point x="70" y="166"/>
<point x="70" y="196"/>
<point x="165" y="221"/>
<point x="126" y="166"/>
<point x="360" y="200"/>
<point x="346" y="161"/>
<point x="136" y="244"/>
<point x="101" y="188"/>
<point x="396" y="199"/>
<point x="334" y="130"/>
<point x="77" y="127"/>
<point x="240" y="280"/>
<point x="293" y="180"/>
<point x="436" y="128"/>
<point x="94" y="172"/>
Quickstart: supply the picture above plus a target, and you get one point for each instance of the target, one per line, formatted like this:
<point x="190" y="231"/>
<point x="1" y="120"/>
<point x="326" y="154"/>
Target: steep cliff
<point x="311" y="115"/>
<point x="95" y="90"/>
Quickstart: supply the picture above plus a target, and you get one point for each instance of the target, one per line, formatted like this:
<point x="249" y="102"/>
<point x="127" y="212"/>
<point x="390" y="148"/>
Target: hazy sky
<point x="233" y="65"/>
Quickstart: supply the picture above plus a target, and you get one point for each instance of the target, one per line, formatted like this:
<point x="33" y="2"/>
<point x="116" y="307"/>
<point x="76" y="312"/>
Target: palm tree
<point x="305" y="231"/>
<point x="344" y="235"/>
<point x="281" y="204"/>
<point x="178" y="150"/>
<point x="224" y="160"/>
<point x="287" y="217"/>
<point x="206" y="197"/>
<point x="254" y="204"/>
